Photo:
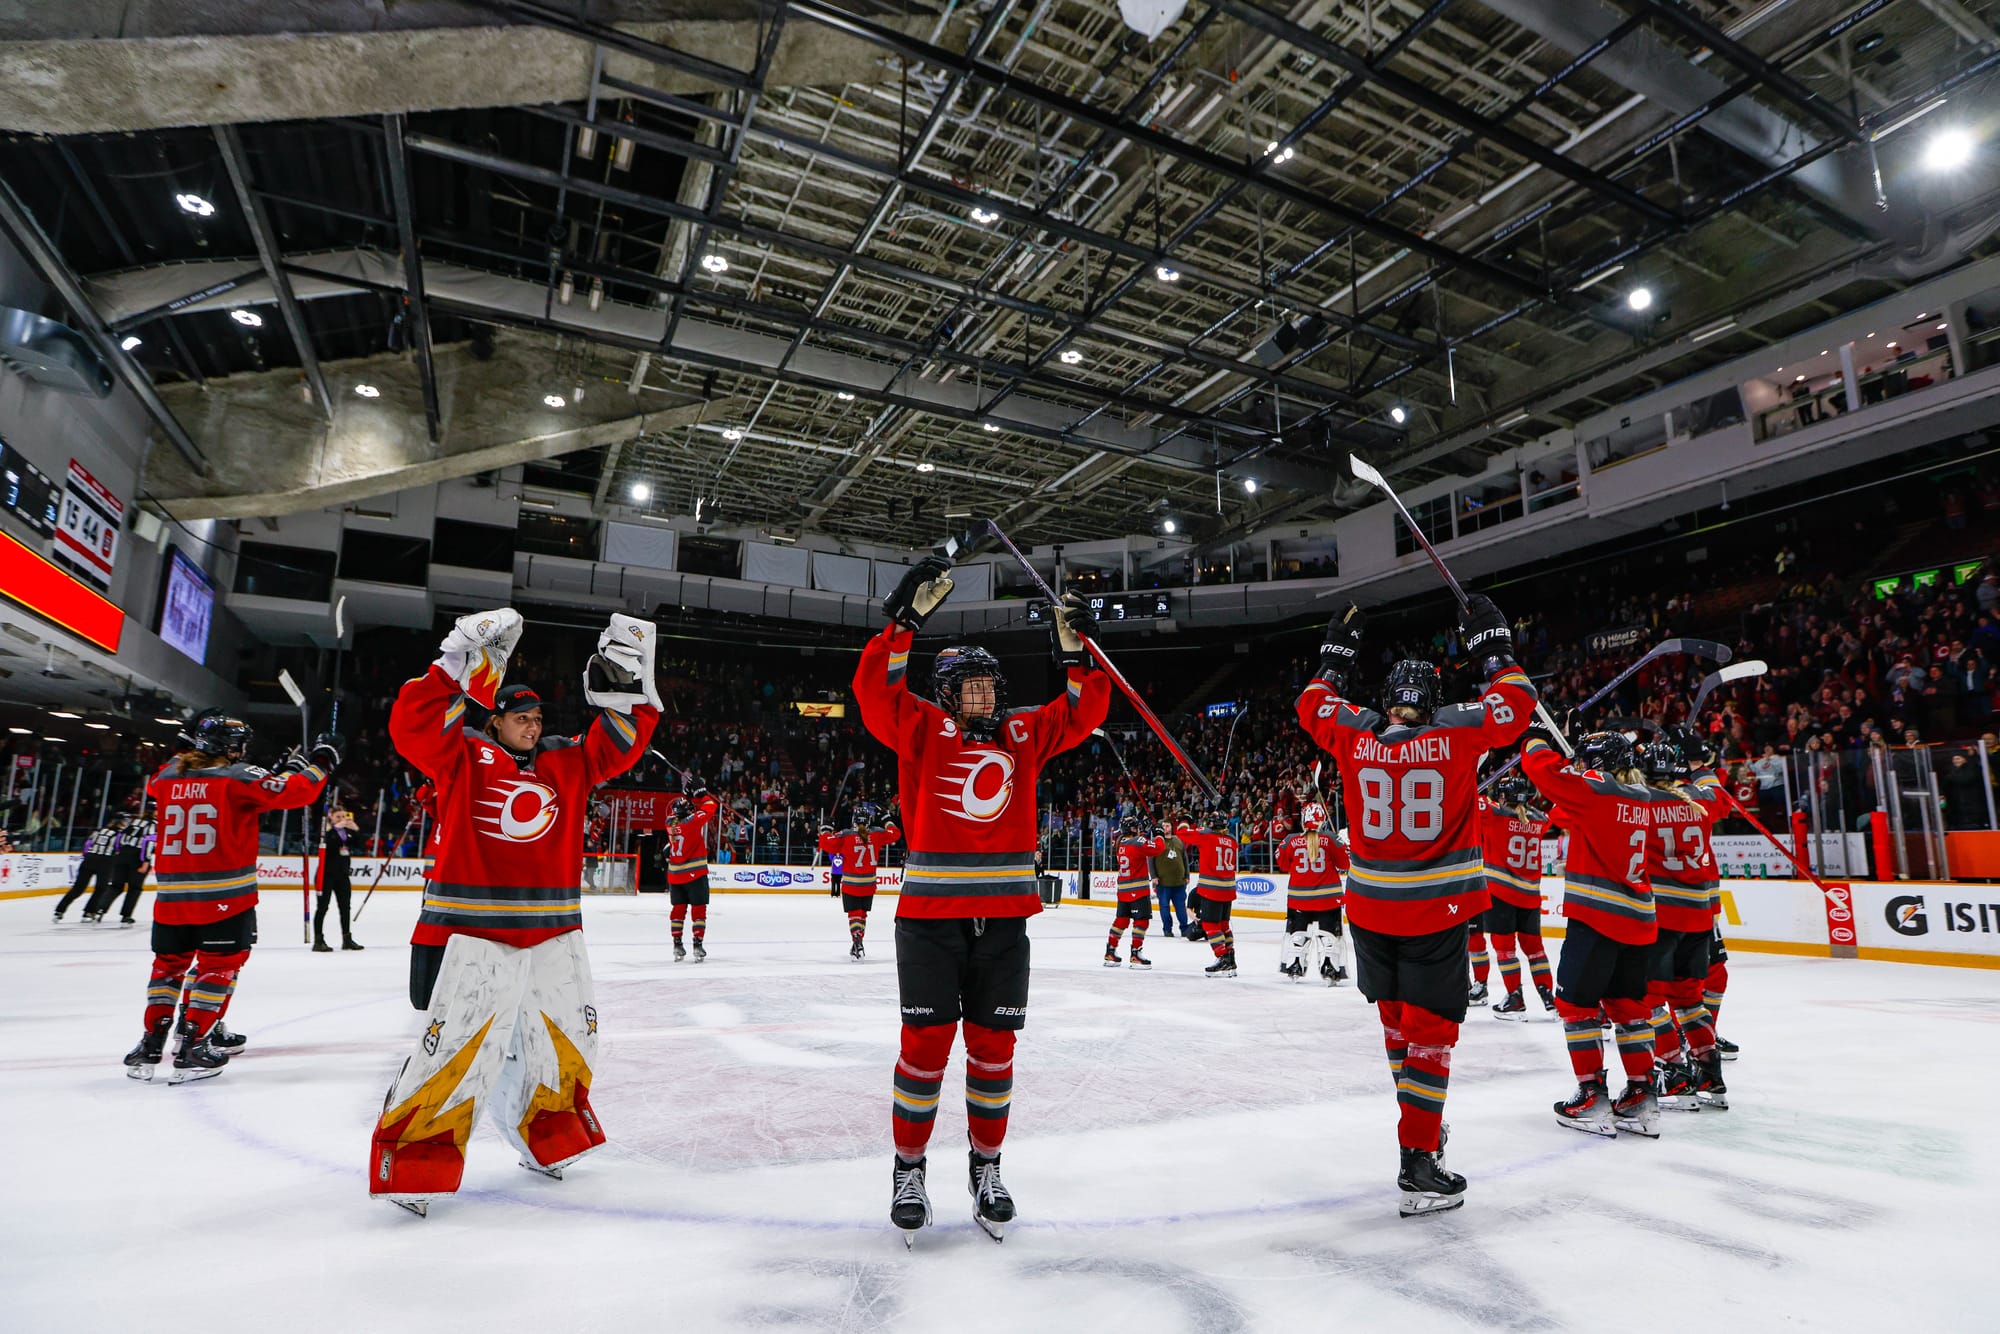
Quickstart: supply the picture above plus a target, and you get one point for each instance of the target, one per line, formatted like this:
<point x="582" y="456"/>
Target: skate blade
<point x="997" y="1231"/>
<point x="1714" y="1103"/>
<point x="1639" y="1128"/>
<point x="144" y="1073"/>
<point x="1511" y="1016"/>
<point x="1140" y="964"/>
<point x="190" y="1075"/>
<point x="1111" y="963"/>
<point x="1679" y="1102"/>
<point x="552" y="1173"/>
<point x="1602" y="1128"/>
<point x="1228" y="972"/>
<point x="1417" y="1203"/>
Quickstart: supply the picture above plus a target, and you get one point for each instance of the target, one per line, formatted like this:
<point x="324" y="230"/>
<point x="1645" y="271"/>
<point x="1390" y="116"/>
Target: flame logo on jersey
<point x="985" y="783"/>
<point x="523" y="810"/>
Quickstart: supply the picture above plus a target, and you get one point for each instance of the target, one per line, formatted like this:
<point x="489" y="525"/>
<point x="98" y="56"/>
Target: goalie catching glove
<point x="1074" y="622"/>
<point x="619" y="676"/>
<point x="922" y="589"/>
<point x="475" y="653"/>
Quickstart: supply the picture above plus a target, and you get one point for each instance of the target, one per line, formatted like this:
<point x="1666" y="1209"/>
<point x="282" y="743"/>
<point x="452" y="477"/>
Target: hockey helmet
<point x="1514" y="789"/>
<point x="949" y="673"/>
<point x="683" y="808"/>
<point x="1606" y="752"/>
<point x="1312" y="818"/>
<point x="864" y="814"/>
<point x="1215" y="820"/>
<point x="1411" y="684"/>
<point x="1129" y="830"/>
<point x="217" y="732"/>
<point x="1662" y="759"/>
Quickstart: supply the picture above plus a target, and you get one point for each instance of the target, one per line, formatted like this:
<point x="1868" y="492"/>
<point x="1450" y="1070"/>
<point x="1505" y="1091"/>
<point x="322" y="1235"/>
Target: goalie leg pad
<point x="542" y="1104"/>
<point x="418" y="1148"/>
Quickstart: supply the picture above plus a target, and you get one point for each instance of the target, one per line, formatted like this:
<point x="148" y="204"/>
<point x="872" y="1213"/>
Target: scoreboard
<point x="1109" y="607"/>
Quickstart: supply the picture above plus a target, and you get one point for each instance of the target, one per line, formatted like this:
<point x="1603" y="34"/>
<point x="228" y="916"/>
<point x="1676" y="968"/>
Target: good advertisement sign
<point x="1929" y="918"/>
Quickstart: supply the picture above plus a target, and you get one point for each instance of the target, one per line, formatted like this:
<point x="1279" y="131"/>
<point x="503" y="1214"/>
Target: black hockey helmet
<point x="1662" y="759"/>
<point x="1215" y="820"/>
<point x="1606" y="752"/>
<point x="1411" y="684"/>
<point x="217" y="732"/>
<point x="952" y="669"/>
<point x="1514" y="788"/>
<point x="864" y="814"/>
<point x="1130" y="830"/>
<point x="683" y="808"/>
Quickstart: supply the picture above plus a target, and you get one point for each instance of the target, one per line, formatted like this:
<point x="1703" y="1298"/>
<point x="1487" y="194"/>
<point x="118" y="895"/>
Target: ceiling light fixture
<point x="195" y="204"/>
<point x="1276" y="154"/>
<point x="1640" y="298"/>
<point x="1166" y="273"/>
<point x="20" y="731"/>
<point x="61" y="713"/>
<point x="732" y="433"/>
<point x="1893" y="345"/>
<point x="1797" y="378"/>
<point x="843" y="395"/>
<point x="990" y="428"/>
<point x="1250" y="486"/>
<point x="249" y="319"/>
<point x="1949" y="149"/>
<point x="99" y="727"/>
<point x="1514" y="420"/>
<point x="130" y="342"/>
<point x="47" y="737"/>
<point x="554" y="401"/>
<point x="1598" y="277"/>
<point x="1944" y="326"/>
<point x="565" y="289"/>
<point x="927" y="466"/>
<point x="1069" y="356"/>
<point x="1716" y="332"/>
<point x="367" y="391"/>
<point x="715" y="263"/>
<point x="985" y="217"/>
<point x="1169" y="527"/>
<point x="641" y="492"/>
<point x="1398" y="414"/>
<point x="170" y="722"/>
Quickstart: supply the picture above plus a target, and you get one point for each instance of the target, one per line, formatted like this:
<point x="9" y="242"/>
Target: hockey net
<point x="611" y="873"/>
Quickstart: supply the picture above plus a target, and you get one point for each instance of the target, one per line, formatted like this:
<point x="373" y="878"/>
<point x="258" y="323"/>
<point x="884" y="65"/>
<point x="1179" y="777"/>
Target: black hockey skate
<point x="680" y="951"/>
<point x="1511" y="1008"/>
<point x="195" y="1059"/>
<point x="1428" y="1186"/>
<point x="855" y="951"/>
<point x="1708" y="1083"/>
<point x="1588" y="1109"/>
<point x="700" y="952"/>
<point x="1329" y="974"/>
<point x="1111" y="959"/>
<point x="1296" y="970"/>
<point x="1223" y="967"/>
<point x="144" y="1059"/>
<point x="1477" y="995"/>
<point x="1675" y="1083"/>
<point x="909" y="1206"/>
<point x="93" y="917"/>
<point x="1637" y="1109"/>
<point x="226" y="1042"/>
<point x="1548" y="999"/>
<point x="1139" y="961"/>
<point x="1725" y="1048"/>
<point x="992" y="1206"/>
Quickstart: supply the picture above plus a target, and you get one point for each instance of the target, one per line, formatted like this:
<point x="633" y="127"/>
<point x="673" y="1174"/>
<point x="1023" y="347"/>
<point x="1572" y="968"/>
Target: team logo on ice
<point x="984" y="782"/>
<point x="521" y="811"/>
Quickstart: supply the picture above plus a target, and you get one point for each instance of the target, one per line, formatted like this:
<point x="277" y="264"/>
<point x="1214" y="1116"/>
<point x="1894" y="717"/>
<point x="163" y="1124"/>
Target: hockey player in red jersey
<point x="1212" y="856"/>
<point x="1313" y="862"/>
<point x="1137" y="847"/>
<point x="966" y="771"/>
<point x="1608" y="907"/>
<point x="1510" y="833"/>
<point x="689" y="833"/>
<point x="205" y="873"/>
<point x="1680" y="861"/>
<point x="511" y="1027"/>
<point x="1416" y="877"/>
<point x="859" y="849"/>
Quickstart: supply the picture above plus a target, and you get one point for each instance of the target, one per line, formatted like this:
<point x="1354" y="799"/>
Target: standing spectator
<point x="1964" y="793"/>
<point x="1170" y="873"/>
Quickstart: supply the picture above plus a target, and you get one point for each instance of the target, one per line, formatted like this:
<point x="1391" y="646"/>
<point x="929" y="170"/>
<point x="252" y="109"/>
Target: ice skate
<point x="93" y="917"/>
<point x="143" y="1060"/>
<point x="552" y="1173"/>
<point x="420" y="1207"/>
<point x="1111" y="959"/>
<point x="1725" y="1048"/>
<point x="1513" y="1007"/>
<point x="1548" y="999"/>
<point x="855" y="952"/>
<point x="1328" y="973"/>
<point x="1637" y="1110"/>
<point x="226" y="1042"/>
<point x="700" y="952"/>
<point x="196" y="1060"/>
<point x="1296" y="970"/>
<point x="992" y="1206"/>
<point x="128" y="921"/>
<point x="1708" y="1083"/>
<point x="1588" y="1109"/>
<point x="680" y="951"/>
<point x="1477" y="995"/>
<point x="909" y="1205"/>
<point x="1675" y="1084"/>
<point x="1428" y="1188"/>
<point x="1139" y="961"/>
<point x="1223" y="967"/>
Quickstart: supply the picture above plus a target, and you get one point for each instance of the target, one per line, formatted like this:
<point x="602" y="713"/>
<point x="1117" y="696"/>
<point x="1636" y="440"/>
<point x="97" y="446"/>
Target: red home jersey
<point x="1679" y="860"/>
<point x="687" y="843"/>
<point x="1135" y="869"/>
<point x="1313" y="878"/>
<point x="860" y="853"/>
<point x="1604" y="877"/>
<point x="510" y="836"/>
<point x="1214" y="858"/>
<point x="968" y="806"/>
<point x="205" y="857"/>
<point x="1415" y="845"/>
<point x="1513" y="851"/>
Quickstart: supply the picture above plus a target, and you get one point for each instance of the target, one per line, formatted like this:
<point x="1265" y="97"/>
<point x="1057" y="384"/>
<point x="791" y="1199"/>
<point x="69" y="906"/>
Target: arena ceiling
<point x="852" y="267"/>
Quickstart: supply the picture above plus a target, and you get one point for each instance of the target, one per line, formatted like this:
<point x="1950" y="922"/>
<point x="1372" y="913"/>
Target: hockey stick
<point x="298" y="698"/>
<point x="1137" y="794"/>
<point x="1368" y="474"/>
<point x="1694" y="648"/>
<point x="1736" y="671"/>
<point x="1229" y="745"/>
<point x="985" y="535"/>
<point x="852" y="769"/>
<point x="1790" y="856"/>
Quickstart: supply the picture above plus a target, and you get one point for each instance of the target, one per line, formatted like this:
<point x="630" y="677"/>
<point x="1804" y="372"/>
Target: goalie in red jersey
<point x="511" y="1027"/>
<point x="966" y="773"/>
<point x="1313" y="863"/>
<point x="1417" y="878"/>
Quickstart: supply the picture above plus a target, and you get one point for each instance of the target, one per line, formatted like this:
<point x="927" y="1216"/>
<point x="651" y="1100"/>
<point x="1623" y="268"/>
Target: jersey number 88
<point x="1412" y="808"/>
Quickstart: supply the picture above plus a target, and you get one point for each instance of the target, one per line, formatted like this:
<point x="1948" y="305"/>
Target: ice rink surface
<point x="1187" y="1153"/>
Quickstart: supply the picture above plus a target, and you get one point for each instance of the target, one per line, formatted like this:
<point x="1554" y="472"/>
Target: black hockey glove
<point x="1073" y="623"/>
<point x="325" y="750"/>
<point x="696" y="789"/>
<point x="1483" y="630"/>
<point x="923" y="586"/>
<point x="1340" y="647"/>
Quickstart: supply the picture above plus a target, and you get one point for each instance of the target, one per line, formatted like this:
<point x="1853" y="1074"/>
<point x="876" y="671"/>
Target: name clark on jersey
<point x="1433" y="749"/>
